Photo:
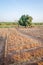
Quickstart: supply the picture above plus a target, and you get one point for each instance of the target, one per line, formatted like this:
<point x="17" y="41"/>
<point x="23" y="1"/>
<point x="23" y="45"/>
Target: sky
<point x="11" y="10"/>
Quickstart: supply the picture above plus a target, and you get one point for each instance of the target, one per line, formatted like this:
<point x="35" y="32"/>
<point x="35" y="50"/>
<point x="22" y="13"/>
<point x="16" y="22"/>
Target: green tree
<point x="25" y="20"/>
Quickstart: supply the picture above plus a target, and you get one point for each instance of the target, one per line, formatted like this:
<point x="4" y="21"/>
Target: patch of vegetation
<point x="8" y="24"/>
<point x="15" y="24"/>
<point x="38" y="23"/>
<point x="25" y="20"/>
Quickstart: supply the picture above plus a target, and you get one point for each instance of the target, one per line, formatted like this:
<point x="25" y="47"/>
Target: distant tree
<point x="25" y="20"/>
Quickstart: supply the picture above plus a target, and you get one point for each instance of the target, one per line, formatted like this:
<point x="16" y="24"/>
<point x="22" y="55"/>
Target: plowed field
<point x="22" y="48"/>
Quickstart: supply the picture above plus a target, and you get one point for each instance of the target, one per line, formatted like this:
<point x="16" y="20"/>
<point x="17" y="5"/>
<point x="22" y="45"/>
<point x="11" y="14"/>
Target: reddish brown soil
<point x="17" y="42"/>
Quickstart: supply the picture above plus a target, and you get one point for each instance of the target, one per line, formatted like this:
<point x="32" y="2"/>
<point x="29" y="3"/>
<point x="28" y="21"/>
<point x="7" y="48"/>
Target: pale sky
<point x="11" y="10"/>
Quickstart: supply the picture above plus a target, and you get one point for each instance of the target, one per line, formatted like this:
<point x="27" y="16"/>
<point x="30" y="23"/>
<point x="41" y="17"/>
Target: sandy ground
<point x="34" y="32"/>
<point x="17" y="42"/>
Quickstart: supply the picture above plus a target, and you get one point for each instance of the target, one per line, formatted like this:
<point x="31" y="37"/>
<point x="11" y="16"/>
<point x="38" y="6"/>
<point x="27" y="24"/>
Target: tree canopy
<point x="25" y="20"/>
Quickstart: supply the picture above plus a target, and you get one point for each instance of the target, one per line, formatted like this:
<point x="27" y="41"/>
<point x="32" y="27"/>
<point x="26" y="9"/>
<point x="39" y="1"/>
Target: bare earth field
<point x="24" y="46"/>
<point x="34" y="32"/>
